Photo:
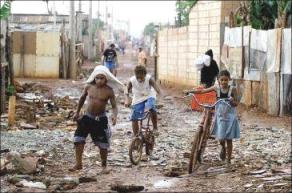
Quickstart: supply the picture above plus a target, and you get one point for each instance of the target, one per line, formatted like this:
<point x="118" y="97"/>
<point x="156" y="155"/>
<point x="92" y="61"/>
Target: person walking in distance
<point x="142" y="58"/>
<point x="110" y="59"/>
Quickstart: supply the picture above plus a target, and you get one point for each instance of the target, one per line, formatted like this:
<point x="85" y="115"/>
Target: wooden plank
<point x="263" y="100"/>
<point x="255" y="92"/>
<point x="273" y="93"/>
<point x="247" y="93"/>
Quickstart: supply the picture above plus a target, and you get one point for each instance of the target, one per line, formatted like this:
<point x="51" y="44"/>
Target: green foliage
<point x="182" y="10"/>
<point x="5" y="10"/>
<point x="264" y="12"/>
<point x="150" y="30"/>
<point x="10" y="90"/>
<point x="97" y="24"/>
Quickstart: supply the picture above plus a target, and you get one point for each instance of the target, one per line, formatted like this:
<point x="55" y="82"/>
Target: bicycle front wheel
<point x="195" y="153"/>
<point x="150" y="141"/>
<point x="135" y="150"/>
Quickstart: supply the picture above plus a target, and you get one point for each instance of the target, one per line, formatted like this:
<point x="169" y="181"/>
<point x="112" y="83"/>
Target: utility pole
<point x="106" y="22"/>
<point x="54" y="13"/>
<point x="99" y="34"/>
<point x="79" y="22"/>
<point x="112" y="25"/>
<point x="90" y="31"/>
<point x="80" y="8"/>
<point x="72" y="66"/>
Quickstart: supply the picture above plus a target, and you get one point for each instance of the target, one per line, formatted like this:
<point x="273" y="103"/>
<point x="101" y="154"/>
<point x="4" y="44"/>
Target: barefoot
<point x="105" y="170"/>
<point x="155" y="132"/>
<point x="75" y="168"/>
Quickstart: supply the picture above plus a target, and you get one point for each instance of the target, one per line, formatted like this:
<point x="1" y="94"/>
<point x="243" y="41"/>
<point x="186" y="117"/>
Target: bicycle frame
<point x="145" y="139"/>
<point x="146" y="127"/>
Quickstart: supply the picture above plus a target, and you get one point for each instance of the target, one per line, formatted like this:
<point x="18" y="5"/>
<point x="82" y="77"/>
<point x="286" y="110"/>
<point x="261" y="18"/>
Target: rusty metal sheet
<point x="48" y="44"/>
<point x="235" y="62"/>
<point x="273" y="50"/>
<point x="286" y="67"/>
<point x="255" y="93"/>
<point x="16" y="65"/>
<point x="47" y="67"/>
<point x="26" y="40"/>
<point x="29" y="65"/>
<point x="286" y="95"/>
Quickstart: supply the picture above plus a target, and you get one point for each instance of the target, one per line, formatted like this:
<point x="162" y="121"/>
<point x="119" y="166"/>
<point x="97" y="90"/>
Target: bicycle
<point x="145" y="138"/>
<point x="203" y="134"/>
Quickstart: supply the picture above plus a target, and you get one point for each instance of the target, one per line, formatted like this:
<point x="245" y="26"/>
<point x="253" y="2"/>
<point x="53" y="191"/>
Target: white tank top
<point x="142" y="90"/>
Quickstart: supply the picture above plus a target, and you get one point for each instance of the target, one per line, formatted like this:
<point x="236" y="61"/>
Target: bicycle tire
<point x="194" y="161"/>
<point x="136" y="145"/>
<point x="150" y="143"/>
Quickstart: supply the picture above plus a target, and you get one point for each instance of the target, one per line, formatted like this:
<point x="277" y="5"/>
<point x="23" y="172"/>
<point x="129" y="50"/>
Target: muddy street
<point x="261" y="158"/>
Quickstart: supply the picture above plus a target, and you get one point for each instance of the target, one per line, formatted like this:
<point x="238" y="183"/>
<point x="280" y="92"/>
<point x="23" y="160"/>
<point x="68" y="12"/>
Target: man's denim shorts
<point x="138" y="109"/>
<point x="110" y="65"/>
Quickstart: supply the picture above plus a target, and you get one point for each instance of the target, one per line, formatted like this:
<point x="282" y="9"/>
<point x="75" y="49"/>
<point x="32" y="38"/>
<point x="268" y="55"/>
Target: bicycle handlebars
<point x="225" y="100"/>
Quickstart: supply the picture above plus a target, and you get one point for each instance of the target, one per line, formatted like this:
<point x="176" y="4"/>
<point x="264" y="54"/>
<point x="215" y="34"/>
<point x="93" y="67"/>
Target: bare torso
<point x="97" y="99"/>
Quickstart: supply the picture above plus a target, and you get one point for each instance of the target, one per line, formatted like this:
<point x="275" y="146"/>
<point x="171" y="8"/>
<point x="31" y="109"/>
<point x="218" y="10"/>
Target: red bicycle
<point x="203" y="133"/>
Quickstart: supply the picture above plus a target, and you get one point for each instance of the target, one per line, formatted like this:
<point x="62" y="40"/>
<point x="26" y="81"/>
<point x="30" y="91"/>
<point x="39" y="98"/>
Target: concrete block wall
<point x="173" y="51"/>
<point x="179" y="47"/>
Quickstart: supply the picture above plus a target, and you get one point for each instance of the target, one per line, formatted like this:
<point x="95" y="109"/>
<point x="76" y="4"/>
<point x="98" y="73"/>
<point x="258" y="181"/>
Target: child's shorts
<point x="110" y="65"/>
<point x="97" y="127"/>
<point x="138" y="109"/>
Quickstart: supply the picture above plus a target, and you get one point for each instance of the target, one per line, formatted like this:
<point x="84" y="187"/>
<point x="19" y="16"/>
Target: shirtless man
<point x="95" y="121"/>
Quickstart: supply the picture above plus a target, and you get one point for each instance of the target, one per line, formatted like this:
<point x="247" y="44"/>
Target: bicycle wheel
<point x="150" y="141"/>
<point x="135" y="150"/>
<point x="194" y="157"/>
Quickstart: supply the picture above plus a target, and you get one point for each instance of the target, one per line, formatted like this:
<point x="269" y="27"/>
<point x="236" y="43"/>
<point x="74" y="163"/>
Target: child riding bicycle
<point x="144" y="95"/>
<point x="226" y="125"/>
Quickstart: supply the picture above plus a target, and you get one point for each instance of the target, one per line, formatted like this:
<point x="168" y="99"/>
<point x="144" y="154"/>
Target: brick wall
<point x="180" y="46"/>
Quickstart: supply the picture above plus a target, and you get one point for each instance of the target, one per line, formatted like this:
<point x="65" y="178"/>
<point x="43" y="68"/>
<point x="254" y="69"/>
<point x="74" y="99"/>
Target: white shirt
<point x="142" y="90"/>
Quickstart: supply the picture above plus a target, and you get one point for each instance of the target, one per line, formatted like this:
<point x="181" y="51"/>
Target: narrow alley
<point x="260" y="163"/>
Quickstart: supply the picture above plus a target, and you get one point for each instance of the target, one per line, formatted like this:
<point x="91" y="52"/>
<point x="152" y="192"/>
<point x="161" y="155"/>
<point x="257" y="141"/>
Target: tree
<point x="267" y="14"/>
<point x="183" y="10"/>
<point x="5" y="10"/>
<point x="150" y="30"/>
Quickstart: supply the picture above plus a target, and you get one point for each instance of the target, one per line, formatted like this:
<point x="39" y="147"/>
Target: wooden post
<point x="11" y="110"/>
<point x="242" y="51"/>
<point x="8" y="50"/>
<point x="89" y="50"/>
<point x="2" y="88"/>
<point x="73" y="65"/>
<point x="22" y="54"/>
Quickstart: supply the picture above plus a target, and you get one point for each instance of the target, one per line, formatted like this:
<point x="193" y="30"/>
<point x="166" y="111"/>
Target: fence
<point x="260" y="63"/>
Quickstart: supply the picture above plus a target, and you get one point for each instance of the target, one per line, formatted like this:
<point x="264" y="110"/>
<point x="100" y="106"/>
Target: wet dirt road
<point x="260" y="158"/>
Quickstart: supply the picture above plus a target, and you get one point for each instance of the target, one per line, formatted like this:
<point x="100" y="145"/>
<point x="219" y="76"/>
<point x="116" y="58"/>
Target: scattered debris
<point x="126" y="188"/>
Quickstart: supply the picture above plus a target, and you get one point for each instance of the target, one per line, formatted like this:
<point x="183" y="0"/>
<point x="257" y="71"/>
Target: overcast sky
<point x="139" y="13"/>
